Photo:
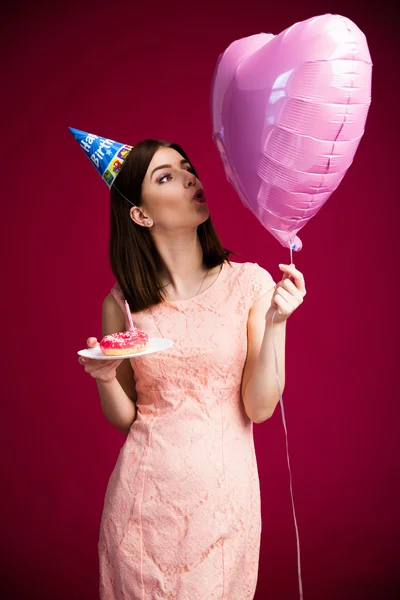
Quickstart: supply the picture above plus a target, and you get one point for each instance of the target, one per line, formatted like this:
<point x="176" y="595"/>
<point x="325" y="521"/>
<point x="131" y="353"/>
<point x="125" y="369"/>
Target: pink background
<point x="132" y="70"/>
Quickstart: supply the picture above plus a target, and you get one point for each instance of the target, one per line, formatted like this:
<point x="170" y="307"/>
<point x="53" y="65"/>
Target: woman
<point x="181" y="517"/>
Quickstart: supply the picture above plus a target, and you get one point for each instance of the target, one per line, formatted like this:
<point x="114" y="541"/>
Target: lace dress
<point x="181" y="518"/>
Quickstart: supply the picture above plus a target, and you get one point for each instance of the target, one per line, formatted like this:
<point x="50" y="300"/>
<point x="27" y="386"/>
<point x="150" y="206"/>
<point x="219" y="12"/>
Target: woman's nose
<point x="190" y="179"/>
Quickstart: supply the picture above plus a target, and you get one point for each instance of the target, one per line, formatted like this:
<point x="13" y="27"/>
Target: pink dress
<point x="181" y="518"/>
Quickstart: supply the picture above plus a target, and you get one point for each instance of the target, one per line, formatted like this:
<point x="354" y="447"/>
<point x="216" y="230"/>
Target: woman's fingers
<point x="92" y="365"/>
<point x="287" y="285"/>
<point x="99" y="369"/>
<point x="298" y="277"/>
<point x="280" y="291"/>
<point x="280" y="304"/>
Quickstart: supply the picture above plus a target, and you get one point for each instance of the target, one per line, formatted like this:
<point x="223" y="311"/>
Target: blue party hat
<point x="106" y="155"/>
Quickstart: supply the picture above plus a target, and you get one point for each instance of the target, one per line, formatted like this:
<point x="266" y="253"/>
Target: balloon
<point x="288" y="114"/>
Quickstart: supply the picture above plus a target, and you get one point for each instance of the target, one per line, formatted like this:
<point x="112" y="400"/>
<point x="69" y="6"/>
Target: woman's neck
<point x="182" y="256"/>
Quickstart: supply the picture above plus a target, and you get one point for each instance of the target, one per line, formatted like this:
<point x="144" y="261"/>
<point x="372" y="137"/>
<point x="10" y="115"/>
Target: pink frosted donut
<point x="124" y="342"/>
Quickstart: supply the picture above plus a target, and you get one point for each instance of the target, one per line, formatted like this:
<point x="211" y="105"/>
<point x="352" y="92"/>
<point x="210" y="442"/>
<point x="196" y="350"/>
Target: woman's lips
<point x="200" y="197"/>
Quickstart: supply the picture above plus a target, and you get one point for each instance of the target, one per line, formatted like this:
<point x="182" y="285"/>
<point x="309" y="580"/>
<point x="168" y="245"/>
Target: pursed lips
<point x="199" y="196"/>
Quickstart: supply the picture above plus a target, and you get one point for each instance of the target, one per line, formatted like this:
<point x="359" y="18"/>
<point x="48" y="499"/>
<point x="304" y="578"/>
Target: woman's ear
<point x="138" y="216"/>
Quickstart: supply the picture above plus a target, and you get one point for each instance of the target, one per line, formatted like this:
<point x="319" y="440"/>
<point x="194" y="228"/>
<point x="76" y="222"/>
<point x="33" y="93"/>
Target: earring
<point x="149" y="222"/>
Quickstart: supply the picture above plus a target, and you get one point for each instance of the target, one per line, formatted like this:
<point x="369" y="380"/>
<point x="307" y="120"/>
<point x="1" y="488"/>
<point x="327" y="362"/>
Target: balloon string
<point x="287" y="451"/>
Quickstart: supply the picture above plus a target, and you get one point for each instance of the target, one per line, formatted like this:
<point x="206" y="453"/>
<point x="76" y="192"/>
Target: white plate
<point x="155" y="345"/>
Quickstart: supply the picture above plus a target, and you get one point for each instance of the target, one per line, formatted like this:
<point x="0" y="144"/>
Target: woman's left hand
<point x="288" y="295"/>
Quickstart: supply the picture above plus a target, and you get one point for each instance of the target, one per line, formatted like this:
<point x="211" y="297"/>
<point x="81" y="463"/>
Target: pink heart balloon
<point x="288" y="114"/>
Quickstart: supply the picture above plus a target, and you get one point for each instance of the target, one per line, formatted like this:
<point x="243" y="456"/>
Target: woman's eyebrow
<point x="168" y="166"/>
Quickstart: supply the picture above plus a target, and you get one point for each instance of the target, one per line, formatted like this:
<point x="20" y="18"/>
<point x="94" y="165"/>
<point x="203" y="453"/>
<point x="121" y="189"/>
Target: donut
<point x="124" y="342"/>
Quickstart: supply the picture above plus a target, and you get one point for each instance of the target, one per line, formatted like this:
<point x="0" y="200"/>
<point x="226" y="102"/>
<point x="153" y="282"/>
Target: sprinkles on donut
<point x="125" y="342"/>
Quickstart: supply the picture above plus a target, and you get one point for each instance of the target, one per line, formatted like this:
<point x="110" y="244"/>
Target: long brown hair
<point x="134" y="258"/>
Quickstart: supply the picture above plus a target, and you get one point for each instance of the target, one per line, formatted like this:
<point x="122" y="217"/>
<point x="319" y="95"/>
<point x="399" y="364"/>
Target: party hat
<point x="106" y="155"/>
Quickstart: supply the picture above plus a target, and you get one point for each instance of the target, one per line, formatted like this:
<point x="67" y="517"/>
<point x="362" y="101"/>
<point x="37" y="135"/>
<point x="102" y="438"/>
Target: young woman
<point x="181" y="517"/>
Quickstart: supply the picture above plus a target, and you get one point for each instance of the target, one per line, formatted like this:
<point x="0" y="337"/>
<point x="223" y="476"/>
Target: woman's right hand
<point x="101" y="370"/>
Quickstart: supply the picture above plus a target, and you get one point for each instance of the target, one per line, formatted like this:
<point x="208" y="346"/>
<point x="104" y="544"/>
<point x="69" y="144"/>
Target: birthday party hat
<point x="106" y="155"/>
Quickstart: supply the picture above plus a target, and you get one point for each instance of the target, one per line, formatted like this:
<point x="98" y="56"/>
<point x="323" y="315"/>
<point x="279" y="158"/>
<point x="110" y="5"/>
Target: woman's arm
<point x="117" y="407"/>
<point x="259" y="386"/>
<point x="118" y="396"/>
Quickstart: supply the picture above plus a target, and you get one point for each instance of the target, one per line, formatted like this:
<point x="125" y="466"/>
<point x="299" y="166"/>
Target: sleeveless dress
<point x="181" y="517"/>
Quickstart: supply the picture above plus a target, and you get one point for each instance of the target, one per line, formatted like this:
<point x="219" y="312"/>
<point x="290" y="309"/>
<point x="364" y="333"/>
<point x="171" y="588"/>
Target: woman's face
<point x="172" y="195"/>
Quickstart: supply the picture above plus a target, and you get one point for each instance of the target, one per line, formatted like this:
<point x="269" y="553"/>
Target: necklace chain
<point x="201" y="285"/>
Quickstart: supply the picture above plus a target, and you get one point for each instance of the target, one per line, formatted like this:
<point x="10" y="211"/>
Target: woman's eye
<point x="166" y="176"/>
